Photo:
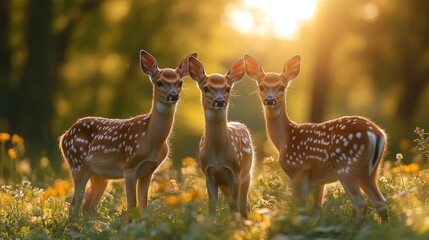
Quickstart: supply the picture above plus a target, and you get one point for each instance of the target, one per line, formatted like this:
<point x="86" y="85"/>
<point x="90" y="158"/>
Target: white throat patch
<point x="165" y="108"/>
<point x="215" y="115"/>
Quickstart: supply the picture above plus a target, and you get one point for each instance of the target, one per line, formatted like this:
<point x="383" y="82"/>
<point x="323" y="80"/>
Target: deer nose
<point x="219" y="102"/>
<point x="173" y="97"/>
<point x="270" y="101"/>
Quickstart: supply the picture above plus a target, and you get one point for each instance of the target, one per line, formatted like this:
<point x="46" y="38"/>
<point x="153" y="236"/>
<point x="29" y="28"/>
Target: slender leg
<point x="98" y="185"/>
<point x="130" y="190"/>
<point x="145" y="176"/>
<point x="234" y="196"/>
<point x="300" y="185"/>
<point x="143" y="189"/>
<point x="352" y="190"/>
<point x="80" y="179"/>
<point x="318" y="200"/>
<point x="369" y="186"/>
<point x="244" y="203"/>
<point x="212" y="190"/>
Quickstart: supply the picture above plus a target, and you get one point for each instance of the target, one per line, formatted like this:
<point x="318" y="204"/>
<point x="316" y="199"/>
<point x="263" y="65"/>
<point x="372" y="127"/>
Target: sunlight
<point x="278" y="18"/>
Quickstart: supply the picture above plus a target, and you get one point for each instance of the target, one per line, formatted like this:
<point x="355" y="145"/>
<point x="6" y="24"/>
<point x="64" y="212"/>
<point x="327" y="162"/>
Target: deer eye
<point x="261" y="88"/>
<point x="206" y="89"/>
<point x="180" y="84"/>
<point x="159" y="83"/>
<point x="282" y="88"/>
<point x="228" y="89"/>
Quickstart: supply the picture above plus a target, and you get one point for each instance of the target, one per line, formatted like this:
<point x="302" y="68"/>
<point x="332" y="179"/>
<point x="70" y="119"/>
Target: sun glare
<point x="279" y="18"/>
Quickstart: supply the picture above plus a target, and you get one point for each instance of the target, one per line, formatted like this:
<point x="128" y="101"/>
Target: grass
<point x="178" y="209"/>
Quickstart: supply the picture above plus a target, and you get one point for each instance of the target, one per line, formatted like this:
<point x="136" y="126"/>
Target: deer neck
<point x="161" y="121"/>
<point x="216" y="130"/>
<point x="278" y="125"/>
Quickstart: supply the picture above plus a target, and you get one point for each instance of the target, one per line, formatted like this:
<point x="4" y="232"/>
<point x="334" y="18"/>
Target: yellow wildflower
<point x="12" y="153"/>
<point x="6" y="198"/>
<point x="193" y="195"/>
<point x="24" y="167"/>
<point x="187" y="197"/>
<point x="397" y="170"/>
<point x="60" y="188"/>
<point x="167" y="165"/>
<point x="4" y="137"/>
<point x="49" y="192"/>
<point x="44" y="162"/>
<point x="199" y="194"/>
<point x="413" y="167"/>
<point x="17" y="140"/>
<point x="188" y="161"/>
<point x="172" y="200"/>
<point x="163" y="186"/>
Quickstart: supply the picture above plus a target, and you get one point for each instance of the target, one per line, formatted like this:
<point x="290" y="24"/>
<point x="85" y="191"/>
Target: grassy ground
<point x="178" y="209"/>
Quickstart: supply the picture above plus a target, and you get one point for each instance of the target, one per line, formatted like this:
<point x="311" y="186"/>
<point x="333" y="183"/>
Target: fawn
<point x="349" y="149"/>
<point x="225" y="150"/>
<point x="99" y="149"/>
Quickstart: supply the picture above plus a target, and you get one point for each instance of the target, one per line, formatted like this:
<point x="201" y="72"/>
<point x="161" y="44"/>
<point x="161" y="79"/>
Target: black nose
<point x="219" y="102"/>
<point x="270" y="101"/>
<point x="173" y="97"/>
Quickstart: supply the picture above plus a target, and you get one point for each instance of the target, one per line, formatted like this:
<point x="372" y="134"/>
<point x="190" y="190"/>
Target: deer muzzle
<point x="269" y="101"/>
<point x="219" y="103"/>
<point x="173" y="97"/>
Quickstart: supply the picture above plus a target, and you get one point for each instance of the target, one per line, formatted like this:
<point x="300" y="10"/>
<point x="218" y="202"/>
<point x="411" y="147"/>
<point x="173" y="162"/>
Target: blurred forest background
<point x="65" y="59"/>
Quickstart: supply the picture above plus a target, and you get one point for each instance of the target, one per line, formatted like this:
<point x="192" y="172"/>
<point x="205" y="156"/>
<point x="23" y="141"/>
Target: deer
<point x="348" y="149"/>
<point x="225" y="150"/>
<point x="100" y="149"/>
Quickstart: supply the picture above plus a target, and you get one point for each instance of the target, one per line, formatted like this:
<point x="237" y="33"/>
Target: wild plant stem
<point x="2" y="160"/>
<point x="399" y="165"/>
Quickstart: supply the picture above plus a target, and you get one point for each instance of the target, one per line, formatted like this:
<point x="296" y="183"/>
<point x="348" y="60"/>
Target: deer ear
<point x="291" y="68"/>
<point x="253" y="68"/>
<point x="196" y="70"/>
<point x="183" y="68"/>
<point x="148" y="63"/>
<point x="235" y="72"/>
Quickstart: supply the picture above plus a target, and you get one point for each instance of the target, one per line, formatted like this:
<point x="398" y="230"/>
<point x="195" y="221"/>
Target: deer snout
<point x="270" y="101"/>
<point x="219" y="102"/>
<point x="173" y="97"/>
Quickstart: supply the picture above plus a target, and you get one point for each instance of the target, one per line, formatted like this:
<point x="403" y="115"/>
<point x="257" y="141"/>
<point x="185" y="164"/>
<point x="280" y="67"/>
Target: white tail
<point x="99" y="149"/>
<point x="348" y="149"/>
<point x="226" y="150"/>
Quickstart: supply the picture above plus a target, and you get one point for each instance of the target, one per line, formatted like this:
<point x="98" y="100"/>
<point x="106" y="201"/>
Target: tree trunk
<point x="410" y="99"/>
<point x="5" y="66"/>
<point x="321" y="85"/>
<point x="32" y="103"/>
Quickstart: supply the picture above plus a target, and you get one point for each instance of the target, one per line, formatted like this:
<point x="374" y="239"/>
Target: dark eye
<point x="282" y="88"/>
<point x="159" y="83"/>
<point x="180" y="84"/>
<point x="261" y="88"/>
<point x="206" y="89"/>
<point x="228" y="89"/>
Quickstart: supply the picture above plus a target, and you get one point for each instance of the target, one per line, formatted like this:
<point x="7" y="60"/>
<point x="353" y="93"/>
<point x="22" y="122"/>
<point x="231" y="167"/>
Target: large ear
<point x="183" y="68"/>
<point x="291" y="68"/>
<point x="196" y="70"/>
<point x="148" y="63"/>
<point x="235" y="72"/>
<point x="253" y="68"/>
